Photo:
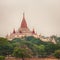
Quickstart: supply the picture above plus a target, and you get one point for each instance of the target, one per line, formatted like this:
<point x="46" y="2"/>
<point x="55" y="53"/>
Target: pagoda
<point x="24" y="28"/>
<point x="22" y="31"/>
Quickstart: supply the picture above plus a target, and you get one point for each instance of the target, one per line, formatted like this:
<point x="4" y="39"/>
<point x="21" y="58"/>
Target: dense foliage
<point x="57" y="54"/>
<point x="29" y="47"/>
<point x="2" y="58"/>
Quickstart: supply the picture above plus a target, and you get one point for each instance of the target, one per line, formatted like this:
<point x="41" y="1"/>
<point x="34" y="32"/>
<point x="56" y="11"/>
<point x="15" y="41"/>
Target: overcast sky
<point x="42" y="15"/>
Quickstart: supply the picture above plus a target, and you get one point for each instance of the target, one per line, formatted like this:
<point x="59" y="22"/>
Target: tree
<point x="41" y="51"/>
<point x="5" y="47"/>
<point x="50" y="48"/>
<point x="21" y="53"/>
<point x="57" y="54"/>
<point x="3" y="41"/>
<point x="2" y="58"/>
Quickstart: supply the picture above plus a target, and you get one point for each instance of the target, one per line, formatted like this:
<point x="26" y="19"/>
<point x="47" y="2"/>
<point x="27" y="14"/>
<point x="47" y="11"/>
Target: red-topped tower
<point x="23" y="23"/>
<point x="14" y="31"/>
<point x="24" y="28"/>
<point x="33" y="32"/>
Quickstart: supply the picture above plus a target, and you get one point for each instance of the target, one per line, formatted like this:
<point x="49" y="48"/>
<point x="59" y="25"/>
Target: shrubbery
<point x="29" y="46"/>
<point x="2" y="58"/>
<point x="57" y="54"/>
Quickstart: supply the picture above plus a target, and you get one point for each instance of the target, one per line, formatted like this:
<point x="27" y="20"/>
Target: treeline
<point x="28" y="47"/>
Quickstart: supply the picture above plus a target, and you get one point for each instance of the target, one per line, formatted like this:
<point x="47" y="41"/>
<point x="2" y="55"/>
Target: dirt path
<point x="12" y="58"/>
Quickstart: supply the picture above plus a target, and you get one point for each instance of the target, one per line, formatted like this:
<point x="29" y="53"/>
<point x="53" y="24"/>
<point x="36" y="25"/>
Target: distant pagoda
<point x="24" y="28"/>
<point x="25" y="31"/>
<point x="22" y="31"/>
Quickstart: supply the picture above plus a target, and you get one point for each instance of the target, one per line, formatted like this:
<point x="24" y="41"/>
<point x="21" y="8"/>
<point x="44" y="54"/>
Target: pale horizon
<point x="42" y="15"/>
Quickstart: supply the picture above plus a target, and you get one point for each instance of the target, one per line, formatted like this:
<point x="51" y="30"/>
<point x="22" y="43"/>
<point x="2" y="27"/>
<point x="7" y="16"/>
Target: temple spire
<point x="33" y="31"/>
<point x="23" y="23"/>
<point x="13" y="30"/>
<point x="23" y="15"/>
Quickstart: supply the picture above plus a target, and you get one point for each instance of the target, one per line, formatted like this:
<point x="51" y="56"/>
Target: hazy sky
<point x="43" y="15"/>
